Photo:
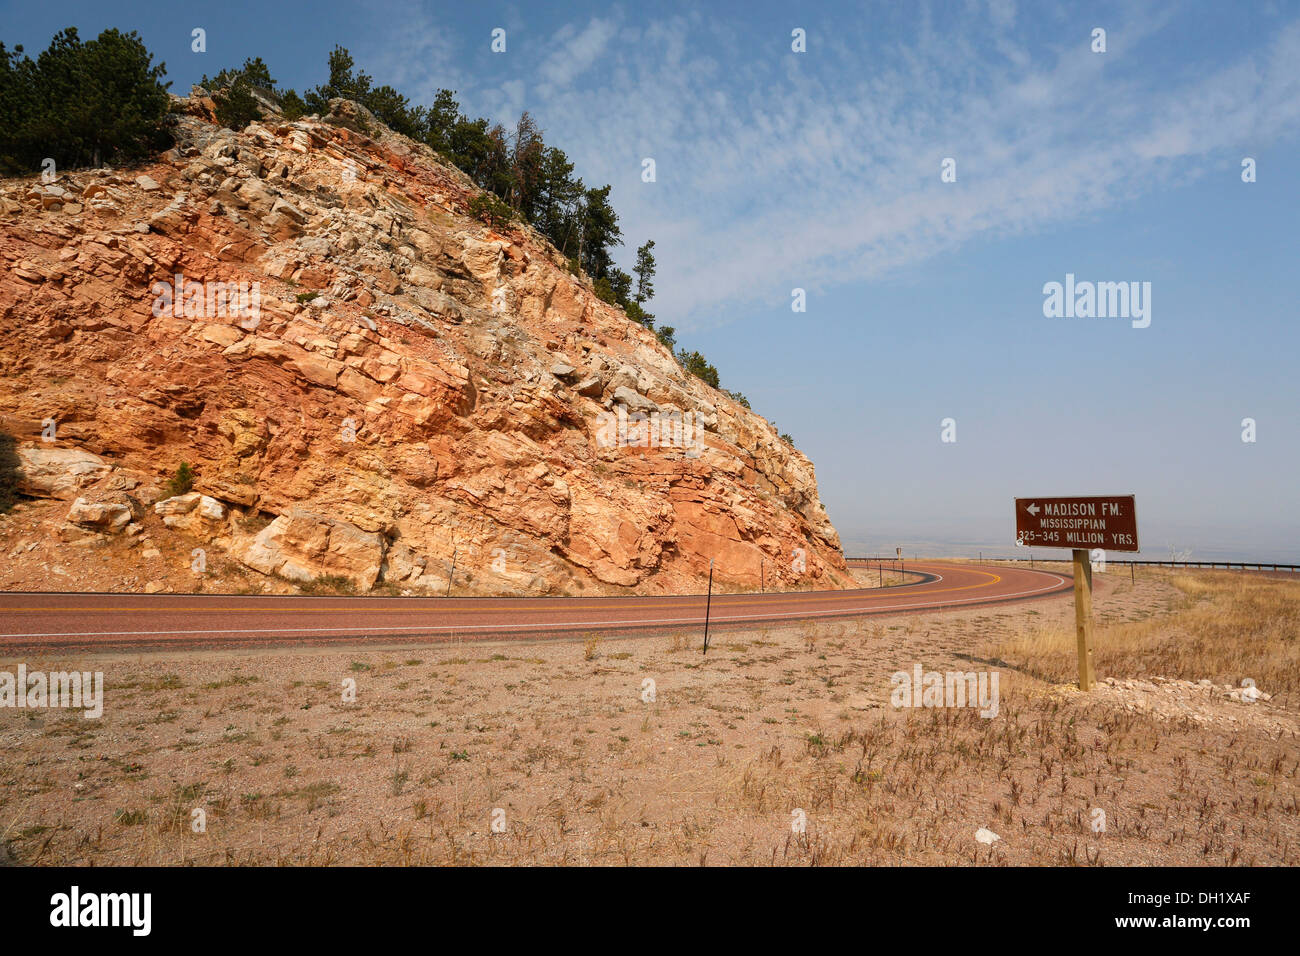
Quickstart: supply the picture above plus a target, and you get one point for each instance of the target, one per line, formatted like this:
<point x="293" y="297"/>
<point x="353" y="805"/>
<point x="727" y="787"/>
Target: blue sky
<point x="821" y="170"/>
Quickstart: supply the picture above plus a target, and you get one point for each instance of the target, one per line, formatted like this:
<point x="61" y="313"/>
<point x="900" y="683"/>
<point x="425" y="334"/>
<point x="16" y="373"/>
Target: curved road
<point x="79" y="621"/>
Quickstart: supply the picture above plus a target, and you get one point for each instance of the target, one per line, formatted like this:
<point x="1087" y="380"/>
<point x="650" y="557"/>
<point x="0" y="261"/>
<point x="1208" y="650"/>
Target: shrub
<point x="182" y="482"/>
<point x="232" y="92"/>
<point x="131" y="818"/>
<point x="292" y="105"/>
<point x="487" y="208"/>
<point x="236" y="107"/>
<point x="328" y="584"/>
<point x="640" y="316"/>
<point x="697" y="365"/>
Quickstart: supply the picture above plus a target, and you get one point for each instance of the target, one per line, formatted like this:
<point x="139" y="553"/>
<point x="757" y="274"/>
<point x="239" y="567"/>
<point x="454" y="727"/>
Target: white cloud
<point x="576" y="52"/>
<point x="414" y="53"/>
<point x="771" y="176"/>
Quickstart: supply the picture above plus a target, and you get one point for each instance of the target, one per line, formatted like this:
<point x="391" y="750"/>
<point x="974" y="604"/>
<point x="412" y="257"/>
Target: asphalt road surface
<point x="79" y="621"/>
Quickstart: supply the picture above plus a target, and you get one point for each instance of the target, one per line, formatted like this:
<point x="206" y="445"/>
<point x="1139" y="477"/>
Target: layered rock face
<point x="367" y="381"/>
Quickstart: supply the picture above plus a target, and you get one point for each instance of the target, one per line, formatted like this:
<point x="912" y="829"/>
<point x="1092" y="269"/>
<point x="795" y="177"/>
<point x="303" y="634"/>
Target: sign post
<point x="452" y="574"/>
<point x="1104" y="522"/>
<point x="1083" y="617"/>
<point x="707" y="605"/>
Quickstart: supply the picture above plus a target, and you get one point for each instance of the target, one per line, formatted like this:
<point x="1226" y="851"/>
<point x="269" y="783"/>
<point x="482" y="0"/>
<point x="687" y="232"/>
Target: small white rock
<point x="985" y="836"/>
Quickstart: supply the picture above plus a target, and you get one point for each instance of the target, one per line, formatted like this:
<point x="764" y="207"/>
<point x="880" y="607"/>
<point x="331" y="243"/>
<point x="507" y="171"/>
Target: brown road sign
<point x="1104" y="521"/>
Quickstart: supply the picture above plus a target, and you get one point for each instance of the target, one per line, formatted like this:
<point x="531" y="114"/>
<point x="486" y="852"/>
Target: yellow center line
<point x="854" y="595"/>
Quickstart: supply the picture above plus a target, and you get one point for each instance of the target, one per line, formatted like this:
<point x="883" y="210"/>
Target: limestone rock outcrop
<point x="57" y="472"/>
<point x="106" y="515"/>
<point x="368" y="381"/>
<point x="192" y="511"/>
<point x="301" y="546"/>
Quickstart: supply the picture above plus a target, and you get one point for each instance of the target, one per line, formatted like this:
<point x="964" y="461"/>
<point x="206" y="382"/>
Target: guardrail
<point x="1243" y="565"/>
<point x="896" y="566"/>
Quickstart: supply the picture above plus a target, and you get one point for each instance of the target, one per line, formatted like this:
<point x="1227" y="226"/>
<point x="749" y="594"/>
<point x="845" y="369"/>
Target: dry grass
<point x="1223" y="626"/>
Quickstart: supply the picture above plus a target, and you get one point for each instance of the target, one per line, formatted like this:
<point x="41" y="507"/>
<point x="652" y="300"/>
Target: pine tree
<point x="645" y="273"/>
<point x="232" y="92"/>
<point x="621" y="285"/>
<point x="559" y="199"/>
<point x="698" y="365"/>
<point x="254" y="72"/>
<point x="81" y="103"/>
<point x="292" y="105"/>
<point x="343" y="82"/>
<point x="440" y="120"/>
<point x="527" y="165"/>
<point x="600" y="232"/>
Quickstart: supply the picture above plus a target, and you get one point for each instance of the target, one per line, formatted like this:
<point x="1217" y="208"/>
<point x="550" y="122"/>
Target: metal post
<point x="453" y="572"/>
<point x="762" y="575"/>
<point x="707" y="605"/>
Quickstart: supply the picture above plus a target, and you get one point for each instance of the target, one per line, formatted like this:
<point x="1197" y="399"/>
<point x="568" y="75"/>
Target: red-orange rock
<point x="409" y="408"/>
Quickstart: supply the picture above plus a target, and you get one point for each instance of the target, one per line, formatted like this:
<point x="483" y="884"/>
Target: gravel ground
<point x="780" y="746"/>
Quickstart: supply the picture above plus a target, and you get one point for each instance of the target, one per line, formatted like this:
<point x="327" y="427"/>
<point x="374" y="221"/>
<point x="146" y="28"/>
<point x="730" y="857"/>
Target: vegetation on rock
<point x="81" y="104"/>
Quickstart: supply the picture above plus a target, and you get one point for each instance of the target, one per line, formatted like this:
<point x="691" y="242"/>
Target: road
<point x="111" y="622"/>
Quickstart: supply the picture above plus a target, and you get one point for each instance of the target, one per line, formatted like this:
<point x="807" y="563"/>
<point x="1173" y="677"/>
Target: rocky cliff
<point x="366" y="381"/>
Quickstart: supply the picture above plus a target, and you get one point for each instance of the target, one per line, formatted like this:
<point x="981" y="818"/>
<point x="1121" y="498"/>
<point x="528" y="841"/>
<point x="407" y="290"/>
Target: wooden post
<point x="1083" y="617"/>
<point x="453" y="572"/>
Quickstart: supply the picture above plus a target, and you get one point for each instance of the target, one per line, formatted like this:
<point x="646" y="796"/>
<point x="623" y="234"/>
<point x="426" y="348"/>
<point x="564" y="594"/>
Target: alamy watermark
<point x="951" y="689"/>
<point x="129" y="910"/>
<point x="1098" y="300"/>
<point x="208" y="300"/>
<point x="73" y="690"/>
<point x="623" y="429"/>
